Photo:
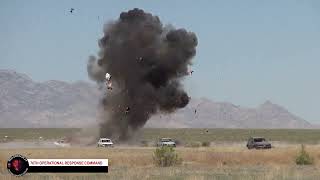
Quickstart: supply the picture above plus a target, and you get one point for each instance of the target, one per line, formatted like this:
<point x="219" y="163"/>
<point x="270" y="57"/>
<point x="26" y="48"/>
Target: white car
<point x="105" y="142"/>
<point x="166" y="142"/>
<point x="62" y="143"/>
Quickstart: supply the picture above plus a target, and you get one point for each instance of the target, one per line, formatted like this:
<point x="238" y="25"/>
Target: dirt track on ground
<point x="50" y="144"/>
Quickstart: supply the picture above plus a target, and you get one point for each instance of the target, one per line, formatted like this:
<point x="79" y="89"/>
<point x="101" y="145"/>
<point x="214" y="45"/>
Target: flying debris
<point x="108" y="83"/>
<point x="140" y="59"/>
<point x="196" y="109"/>
<point x="71" y="10"/>
<point x="127" y="110"/>
<point x="108" y="77"/>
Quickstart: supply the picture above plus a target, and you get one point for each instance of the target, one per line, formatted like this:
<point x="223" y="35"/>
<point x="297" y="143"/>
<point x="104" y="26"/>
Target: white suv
<point x="105" y="142"/>
<point x="166" y="142"/>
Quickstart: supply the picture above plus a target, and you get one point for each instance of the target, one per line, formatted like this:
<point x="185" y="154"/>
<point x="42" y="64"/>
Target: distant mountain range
<point x="26" y="103"/>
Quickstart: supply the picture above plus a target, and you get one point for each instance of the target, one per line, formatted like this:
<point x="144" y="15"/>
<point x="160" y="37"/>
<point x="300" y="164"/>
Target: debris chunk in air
<point x="127" y="110"/>
<point x="108" y="76"/>
<point x="109" y="83"/>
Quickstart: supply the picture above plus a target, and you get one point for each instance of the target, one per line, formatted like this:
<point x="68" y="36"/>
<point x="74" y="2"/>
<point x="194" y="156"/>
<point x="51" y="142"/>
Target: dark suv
<point x="258" y="143"/>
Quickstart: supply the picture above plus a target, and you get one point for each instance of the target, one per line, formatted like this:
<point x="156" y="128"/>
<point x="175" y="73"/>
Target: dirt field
<point x="222" y="162"/>
<point x="226" y="158"/>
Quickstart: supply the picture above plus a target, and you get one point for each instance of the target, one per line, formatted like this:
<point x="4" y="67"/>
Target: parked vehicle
<point x="166" y="142"/>
<point x="258" y="143"/>
<point x="105" y="142"/>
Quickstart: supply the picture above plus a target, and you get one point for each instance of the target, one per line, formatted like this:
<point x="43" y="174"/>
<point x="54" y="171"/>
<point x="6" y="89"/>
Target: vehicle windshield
<point x="259" y="139"/>
<point x="105" y="140"/>
<point x="166" y="140"/>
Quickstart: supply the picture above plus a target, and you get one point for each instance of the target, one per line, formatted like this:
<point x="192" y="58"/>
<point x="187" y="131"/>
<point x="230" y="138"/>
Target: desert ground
<point x="225" y="158"/>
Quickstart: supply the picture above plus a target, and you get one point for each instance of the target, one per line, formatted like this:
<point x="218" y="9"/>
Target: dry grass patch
<point x="199" y="163"/>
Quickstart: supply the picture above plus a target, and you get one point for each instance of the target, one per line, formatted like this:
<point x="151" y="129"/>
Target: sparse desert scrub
<point x="304" y="158"/>
<point x="198" y="163"/>
<point x="166" y="156"/>
<point x="142" y="156"/>
<point x="205" y="144"/>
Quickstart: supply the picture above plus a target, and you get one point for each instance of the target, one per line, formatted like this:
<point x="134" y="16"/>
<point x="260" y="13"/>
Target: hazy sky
<point x="248" y="52"/>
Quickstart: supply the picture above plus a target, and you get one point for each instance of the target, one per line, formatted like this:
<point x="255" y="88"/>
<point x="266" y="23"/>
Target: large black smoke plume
<point x="147" y="62"/>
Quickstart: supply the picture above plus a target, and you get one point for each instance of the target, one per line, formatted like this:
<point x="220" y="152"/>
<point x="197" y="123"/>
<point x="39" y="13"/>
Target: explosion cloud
<point x="147" y="61"/>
